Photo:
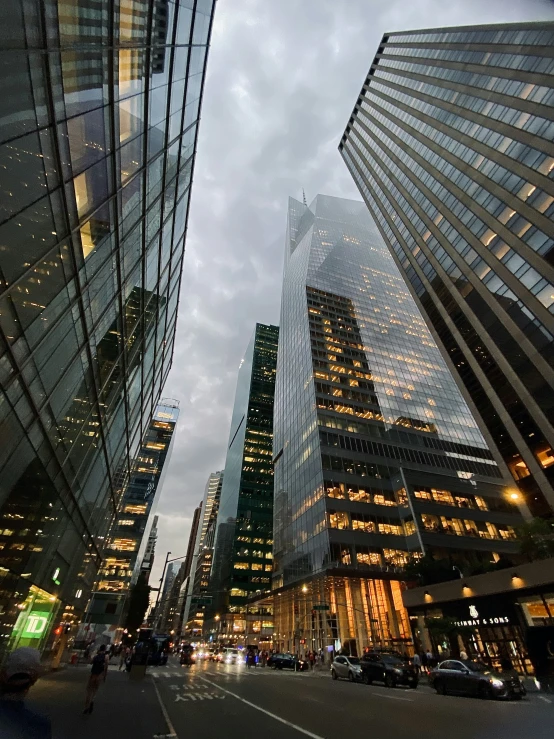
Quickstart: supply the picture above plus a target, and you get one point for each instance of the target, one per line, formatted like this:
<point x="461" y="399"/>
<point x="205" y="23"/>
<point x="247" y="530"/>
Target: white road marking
<point x="393" y="697"/>
<point x="542" y="698"/>
<point x="262" y="710"/>
<point x="171" y="728"/>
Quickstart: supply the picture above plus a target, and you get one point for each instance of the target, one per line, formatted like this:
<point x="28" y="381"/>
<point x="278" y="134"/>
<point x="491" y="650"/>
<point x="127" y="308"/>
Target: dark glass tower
<point x="377" y="457"/>
<point x="243" y="557"/>
<point x="98" y="127"/>
<point x="450" y="144"/>
<point x="128" y="537"/>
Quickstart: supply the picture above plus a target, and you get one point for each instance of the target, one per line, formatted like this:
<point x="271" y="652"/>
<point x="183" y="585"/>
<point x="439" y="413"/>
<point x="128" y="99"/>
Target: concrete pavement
<point x="212" y="701"/>
<point x="122" y="709"/>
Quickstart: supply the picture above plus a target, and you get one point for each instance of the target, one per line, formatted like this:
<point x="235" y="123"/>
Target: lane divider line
<point x="170" y="727"/>
<point x="393" y="697"/>
<point x="262" y="710"/>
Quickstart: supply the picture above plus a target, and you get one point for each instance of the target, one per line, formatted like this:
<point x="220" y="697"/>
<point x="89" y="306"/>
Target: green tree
<point x="428" y="570"/>
<point x="138" y="603"/>
<point x="445" y="628"/>
<point x="536" y="539"/>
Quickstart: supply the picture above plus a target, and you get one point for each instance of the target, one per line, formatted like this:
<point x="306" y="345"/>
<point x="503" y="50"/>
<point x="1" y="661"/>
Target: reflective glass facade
<point x="450" y="144"/>
<point x="243" y="554"/>
<point x="97" y="137"/>
<point x="377" y="457"/>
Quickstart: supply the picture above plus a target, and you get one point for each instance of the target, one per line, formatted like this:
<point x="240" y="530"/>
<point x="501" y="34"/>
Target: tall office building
<point x="450" y="144"/>
<point x="150" y="551"/>
<point x="98" y="130"/>
<point x="128" y="538"/>
<point x="210" y="506"/>
<point x="242" y="560"/>
<point x="188" y="563"/>
<point x="203" y="555"/>
<point x="377" y="457"/>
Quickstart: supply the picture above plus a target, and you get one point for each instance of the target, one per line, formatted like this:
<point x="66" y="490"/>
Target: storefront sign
<point x="475" y="620"/>
<point x="36" y="624"/>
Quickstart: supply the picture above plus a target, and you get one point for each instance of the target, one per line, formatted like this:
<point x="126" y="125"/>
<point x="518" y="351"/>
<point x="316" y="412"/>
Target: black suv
<point x="388" y="668"/>
<point x="287" y="661"/>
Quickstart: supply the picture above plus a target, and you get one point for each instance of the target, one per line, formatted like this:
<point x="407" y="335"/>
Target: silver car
<point x="348" y="667"/>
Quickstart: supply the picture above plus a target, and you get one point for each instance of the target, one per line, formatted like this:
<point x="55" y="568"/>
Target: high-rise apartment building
<point x="98" y="130"/>
<point x="451" y="146"/>
<point x="123" y="560"/>
<point x="203" y="555"/>
<point x="377" y="457"/>
<point x="242" y="560"/>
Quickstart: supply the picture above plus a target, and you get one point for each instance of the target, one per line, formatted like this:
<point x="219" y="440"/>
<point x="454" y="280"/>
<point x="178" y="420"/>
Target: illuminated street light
<point x="304" y="588"/>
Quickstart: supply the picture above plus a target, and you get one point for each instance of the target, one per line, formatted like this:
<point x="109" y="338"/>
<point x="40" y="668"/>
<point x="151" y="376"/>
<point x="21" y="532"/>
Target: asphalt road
<point x="210" y="701"/>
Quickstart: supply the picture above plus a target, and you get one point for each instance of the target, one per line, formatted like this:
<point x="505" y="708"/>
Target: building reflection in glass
<point x="377" y="457"/>
<point x="94" y="192"/>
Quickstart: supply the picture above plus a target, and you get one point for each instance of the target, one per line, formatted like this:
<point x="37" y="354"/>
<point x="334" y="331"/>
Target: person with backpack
<point x="98" y="672"/>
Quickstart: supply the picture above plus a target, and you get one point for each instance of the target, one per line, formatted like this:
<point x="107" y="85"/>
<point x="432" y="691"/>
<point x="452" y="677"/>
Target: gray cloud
<point x="283" y="76"/>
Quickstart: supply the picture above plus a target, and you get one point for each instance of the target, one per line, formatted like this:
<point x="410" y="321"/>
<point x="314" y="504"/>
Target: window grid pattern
<point x="450" y="144"/>
<point x="365" y="410"/>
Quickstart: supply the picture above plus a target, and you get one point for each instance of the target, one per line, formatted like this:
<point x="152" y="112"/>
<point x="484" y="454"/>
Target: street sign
<point x="321" y="607"/>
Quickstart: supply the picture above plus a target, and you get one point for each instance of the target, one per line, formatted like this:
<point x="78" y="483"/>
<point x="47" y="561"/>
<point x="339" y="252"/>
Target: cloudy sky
<point x="283" y="77"/>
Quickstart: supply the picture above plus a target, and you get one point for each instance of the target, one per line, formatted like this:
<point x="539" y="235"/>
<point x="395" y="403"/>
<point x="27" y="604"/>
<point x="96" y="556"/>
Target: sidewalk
<point x="122" y="708"/>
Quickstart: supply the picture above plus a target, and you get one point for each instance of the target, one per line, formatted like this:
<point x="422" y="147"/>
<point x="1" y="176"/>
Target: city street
<point x="215" y="700"/>
<point x="210" y="700"/>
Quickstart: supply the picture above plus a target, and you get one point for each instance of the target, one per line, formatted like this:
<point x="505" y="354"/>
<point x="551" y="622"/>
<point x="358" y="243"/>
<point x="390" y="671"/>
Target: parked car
<point x="388" y="668"/>
<point x="347" y="667"/>
<point x="466" y="677"/>
<point x="288" y="662"/>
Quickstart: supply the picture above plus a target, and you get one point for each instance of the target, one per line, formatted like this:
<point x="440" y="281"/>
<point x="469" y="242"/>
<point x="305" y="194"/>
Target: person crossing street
<point x="98" y="673"/>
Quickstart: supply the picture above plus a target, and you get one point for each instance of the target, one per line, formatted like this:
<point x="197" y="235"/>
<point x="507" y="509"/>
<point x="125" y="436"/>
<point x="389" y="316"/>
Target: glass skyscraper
<point x="98" y="129"/>
<point x="243" y="558"/>
<point x="128" y="538"/>
<point x="450" y="144"/>
<point x="377" y="458"/>
<point x="203" y="555"/>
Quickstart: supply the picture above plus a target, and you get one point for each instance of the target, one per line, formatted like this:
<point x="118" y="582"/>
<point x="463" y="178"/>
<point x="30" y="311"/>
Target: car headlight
<point x="496" y="683"/>
<point x="398" y="671"/>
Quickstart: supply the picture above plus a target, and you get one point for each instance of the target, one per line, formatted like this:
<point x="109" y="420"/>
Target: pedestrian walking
<point x="430" y="660"/>
<point x="417" y="663"/>
<point x="311" y="658"/>
<point x="19" y="674"/>
<point x="98" y="673"/>
<point x="123" y="655"/>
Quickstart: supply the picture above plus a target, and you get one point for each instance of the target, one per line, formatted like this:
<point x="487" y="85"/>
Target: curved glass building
<point x="98" y="129"/>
